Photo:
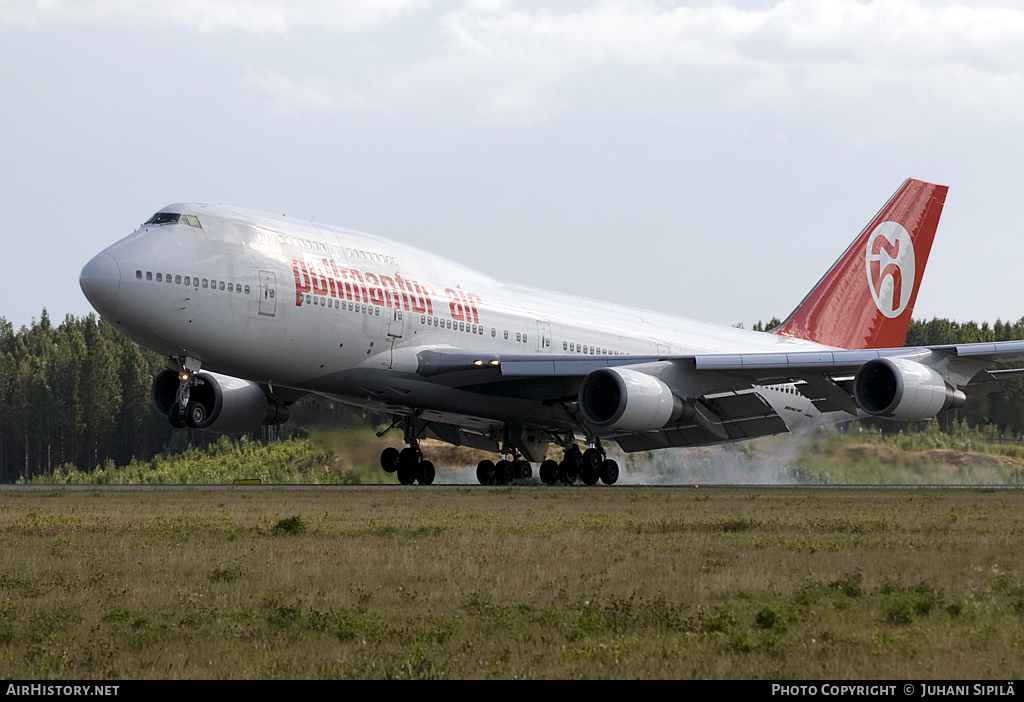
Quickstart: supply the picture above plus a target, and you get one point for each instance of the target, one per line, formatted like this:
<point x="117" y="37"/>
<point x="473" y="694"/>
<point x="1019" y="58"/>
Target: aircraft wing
<point x="758" y="368"/>
<point x="722" y="388"/>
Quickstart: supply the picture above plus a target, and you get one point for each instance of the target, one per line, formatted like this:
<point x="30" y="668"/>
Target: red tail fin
<point x="866" y="299"/>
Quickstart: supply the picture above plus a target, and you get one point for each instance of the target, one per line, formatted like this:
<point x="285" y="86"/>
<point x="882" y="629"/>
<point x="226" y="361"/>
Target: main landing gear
<point x="588" y="466"/>
<point x="408" y="462"/>
<point x="409" y="465"/>
<point x="510" y="467"/>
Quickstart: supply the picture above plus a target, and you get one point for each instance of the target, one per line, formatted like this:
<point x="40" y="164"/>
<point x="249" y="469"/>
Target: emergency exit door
<point x="268" y="293"/>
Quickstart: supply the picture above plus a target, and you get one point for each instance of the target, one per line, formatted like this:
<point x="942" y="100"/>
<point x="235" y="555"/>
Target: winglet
<point x="866" y="299"/>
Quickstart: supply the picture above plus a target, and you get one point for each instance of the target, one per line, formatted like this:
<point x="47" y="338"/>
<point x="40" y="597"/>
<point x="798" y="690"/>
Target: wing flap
<point x="998" y="352"/>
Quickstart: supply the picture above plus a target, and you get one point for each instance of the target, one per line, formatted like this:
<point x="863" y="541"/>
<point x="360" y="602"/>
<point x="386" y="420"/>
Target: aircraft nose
<point x="100" y="280"/>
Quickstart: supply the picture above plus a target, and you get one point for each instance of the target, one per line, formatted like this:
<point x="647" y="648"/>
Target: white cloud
<point x="917" y="53"/>
<point x="206" y="15"/>
<point x="520" y="62"/>
<point x="724" y="36"/>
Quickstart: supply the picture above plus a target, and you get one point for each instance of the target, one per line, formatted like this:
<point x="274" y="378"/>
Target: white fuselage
<point x="301" y="305"/>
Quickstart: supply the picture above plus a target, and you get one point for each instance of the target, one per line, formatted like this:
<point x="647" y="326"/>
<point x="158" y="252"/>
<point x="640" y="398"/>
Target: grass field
<point x="522" y="582"/>
<point x="963" y="456"/>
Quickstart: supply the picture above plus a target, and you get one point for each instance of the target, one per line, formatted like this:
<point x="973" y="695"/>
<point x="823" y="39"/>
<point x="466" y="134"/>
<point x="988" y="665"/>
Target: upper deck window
<point x="174" y="218"/>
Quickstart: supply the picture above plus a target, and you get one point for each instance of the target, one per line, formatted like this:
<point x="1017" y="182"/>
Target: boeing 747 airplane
<point x="254" y="311"/>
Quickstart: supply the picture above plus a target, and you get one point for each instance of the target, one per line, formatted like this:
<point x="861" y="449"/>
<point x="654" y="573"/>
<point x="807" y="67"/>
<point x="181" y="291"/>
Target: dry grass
<point x="515" y="582"/>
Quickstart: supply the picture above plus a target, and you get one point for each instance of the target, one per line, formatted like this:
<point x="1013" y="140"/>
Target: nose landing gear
<point x="184" y="412"/>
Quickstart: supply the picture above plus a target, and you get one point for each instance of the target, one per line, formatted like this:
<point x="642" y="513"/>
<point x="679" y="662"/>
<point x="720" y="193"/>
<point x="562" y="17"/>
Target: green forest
<point x="77" y="395"/>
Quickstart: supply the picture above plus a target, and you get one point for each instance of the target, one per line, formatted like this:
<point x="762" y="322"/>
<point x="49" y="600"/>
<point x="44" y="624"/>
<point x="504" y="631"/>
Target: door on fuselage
<point x="268" y="293"/>
<point x="543" y="337"/>
<point x="396" y="324"/>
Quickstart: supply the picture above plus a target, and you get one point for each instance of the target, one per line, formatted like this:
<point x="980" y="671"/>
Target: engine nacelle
<point x="903" y="389"/>
<point x="230" y="405"/>
<point x="628" y="400"/>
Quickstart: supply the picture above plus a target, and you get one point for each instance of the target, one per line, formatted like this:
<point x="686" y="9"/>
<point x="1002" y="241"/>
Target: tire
<point x="406" y="474"/>
<point x="573" y="460"/>
<point x="505" y="472"/>
<point x="425" y="473"/>
<point x="409" y="458"/>
<point x="549" y="472"/>
<point x="389" y="459"/>
<point x="174" y="416"/>
<point x="485" y="472"/>
<point x="567" y="473"/>
<point x="524" y="471"/>
<point x="589" y="476"/>
<point x="592" y="459"/>
<point x="195" y="415"/>
<point x="609" y="472"/>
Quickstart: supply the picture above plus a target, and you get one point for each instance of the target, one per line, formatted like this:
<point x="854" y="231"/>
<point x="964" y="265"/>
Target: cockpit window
<point x="164" y="218"/>
<point x="174" y="218"/>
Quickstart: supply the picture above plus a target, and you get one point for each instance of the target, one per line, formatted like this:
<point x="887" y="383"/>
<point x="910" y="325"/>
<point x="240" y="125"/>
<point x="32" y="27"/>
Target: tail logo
<point x="889" y="259"/>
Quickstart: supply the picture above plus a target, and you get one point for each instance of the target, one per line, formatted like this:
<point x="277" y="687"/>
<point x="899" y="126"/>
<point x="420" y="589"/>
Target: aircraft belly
<point x="390" y="390"/>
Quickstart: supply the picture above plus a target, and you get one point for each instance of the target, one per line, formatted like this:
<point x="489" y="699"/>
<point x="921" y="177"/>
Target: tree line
<point x="1004" y="410"/>
<point x="75" y="393"/>
<point x="78" y="393"/>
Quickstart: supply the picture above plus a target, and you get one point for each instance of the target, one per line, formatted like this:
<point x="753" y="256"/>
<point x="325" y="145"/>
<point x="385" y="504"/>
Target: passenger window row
<point x="342" y="305"/>
<point x="193" y="282"/>
<point x="520" y="337"/>
<point x="453" y="325"/>
<point x="593" y="350"/>
<point x="465" y="327"/>
<point x="290" y="241"/>
<point x="371" y="256"/>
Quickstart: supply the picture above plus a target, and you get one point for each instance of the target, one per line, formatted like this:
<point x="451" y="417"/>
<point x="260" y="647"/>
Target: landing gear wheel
<point x="505" y="472"/>
<point x="549" y="472"/>
<point x="407" y="474"/>
<point x="195" y="415"/>
<point x="389" y="459"/>
<point x="589" y="476"/>
<point x="592" y="459"/>
<point x="409" y="457"/>
<point x="609" y="472"/>
<point x="567" y="472"/>
<point x="174" y="416"/>
<point x="524" y="471"/>
<point x="485" y="472"/>
<point x="425" y="473"/>
<point x="574" y="458"/>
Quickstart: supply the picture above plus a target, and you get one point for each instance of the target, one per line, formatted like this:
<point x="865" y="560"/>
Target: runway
<point x="470" y="486"/>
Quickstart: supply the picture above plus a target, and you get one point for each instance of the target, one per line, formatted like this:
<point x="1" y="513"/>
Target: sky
<point x="705" y="159"/>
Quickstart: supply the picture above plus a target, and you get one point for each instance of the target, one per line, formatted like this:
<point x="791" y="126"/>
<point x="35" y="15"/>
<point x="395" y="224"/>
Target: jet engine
<point x="218" y="403"/>
<point x="903" y="389"/>
<point x="628" y="400"/>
